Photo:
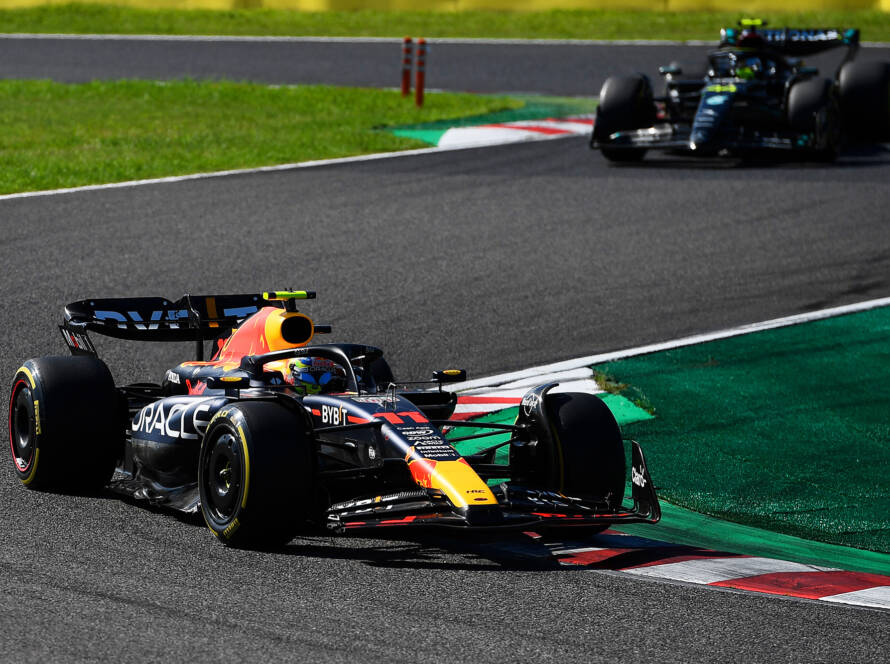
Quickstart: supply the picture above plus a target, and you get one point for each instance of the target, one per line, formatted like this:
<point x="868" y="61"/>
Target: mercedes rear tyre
<point x="625" y="103"/>
<point x="865" y="100"/>
<point x="66" y="424"/>
<point x="256" y="475"/>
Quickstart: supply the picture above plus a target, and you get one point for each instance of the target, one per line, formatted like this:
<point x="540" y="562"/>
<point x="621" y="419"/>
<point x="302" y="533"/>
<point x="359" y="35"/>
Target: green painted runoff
<point x="786" y="430"/>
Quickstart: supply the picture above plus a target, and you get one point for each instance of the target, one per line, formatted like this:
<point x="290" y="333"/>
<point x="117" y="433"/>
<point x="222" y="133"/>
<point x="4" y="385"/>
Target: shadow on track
<point x="528" y="551"/>
<point x="465" y="550"/>
<point x="854" y="156"/>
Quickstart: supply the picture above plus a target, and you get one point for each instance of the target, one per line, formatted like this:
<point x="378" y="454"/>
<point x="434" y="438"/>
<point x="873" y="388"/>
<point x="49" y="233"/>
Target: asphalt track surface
<point x="492" y="259"/>
<point x="566" y="69"/>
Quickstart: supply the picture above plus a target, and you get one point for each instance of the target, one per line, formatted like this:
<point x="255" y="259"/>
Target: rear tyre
<point x="256" y="475"/>
<point x="865" y="100"/>
<point x="66" y="424"/>
<point x="625" y="103"/>
<point x="813" y="109"/>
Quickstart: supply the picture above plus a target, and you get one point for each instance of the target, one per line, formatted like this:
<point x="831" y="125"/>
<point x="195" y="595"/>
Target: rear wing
<point x="196" y="318"/>
<point x="799" y="41"/>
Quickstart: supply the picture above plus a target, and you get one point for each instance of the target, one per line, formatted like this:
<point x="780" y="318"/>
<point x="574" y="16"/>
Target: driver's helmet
<point x="316" y="375"/>
<point x="749" y="68"/>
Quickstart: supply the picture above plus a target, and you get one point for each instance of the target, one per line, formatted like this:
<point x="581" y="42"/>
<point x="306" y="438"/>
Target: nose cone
<point x="702" y="142"/>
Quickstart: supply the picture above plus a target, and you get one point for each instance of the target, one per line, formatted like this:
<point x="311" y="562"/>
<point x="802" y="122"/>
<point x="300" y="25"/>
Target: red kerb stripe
<point x="512" y="400"/>
<point x="553" y="131"/>
<point x="813" y="585"/>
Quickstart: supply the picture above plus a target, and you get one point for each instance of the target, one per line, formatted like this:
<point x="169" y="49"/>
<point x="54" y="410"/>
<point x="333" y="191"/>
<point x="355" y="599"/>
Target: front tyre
<point x="813" y="109"/>
<point x="589" y="455"/>
<point x="586" y="455"/>
<point x="256" y="475"/>
<point x="625" y="103"/>
<point x="66" y="424"/>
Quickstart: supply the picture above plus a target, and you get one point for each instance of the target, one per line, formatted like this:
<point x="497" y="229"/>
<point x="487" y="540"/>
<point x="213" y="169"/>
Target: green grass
<point x="579" y="24"/>
<point x="785" y="430"/>
<point x="60" y="135"/>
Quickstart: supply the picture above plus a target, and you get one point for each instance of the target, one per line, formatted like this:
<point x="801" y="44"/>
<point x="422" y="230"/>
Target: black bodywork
<point x="364" y="439"/>
<point x="728" y="107"/>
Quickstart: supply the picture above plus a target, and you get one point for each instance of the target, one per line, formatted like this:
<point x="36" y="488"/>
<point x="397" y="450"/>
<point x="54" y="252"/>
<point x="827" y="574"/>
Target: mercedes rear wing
<point x="798" y="42"/>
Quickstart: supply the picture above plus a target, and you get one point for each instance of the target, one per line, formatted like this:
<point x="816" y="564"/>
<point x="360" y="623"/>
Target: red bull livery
<point x="275" y="433"/>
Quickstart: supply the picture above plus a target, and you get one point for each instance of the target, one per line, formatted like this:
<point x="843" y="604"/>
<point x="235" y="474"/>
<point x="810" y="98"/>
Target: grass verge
<point x="564" y="24"/>
<point x="785" y="429"/>
<point x="61" y="135"/>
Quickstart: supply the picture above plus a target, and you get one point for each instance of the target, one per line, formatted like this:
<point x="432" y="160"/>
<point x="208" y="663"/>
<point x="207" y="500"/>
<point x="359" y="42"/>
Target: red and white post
<point x="407" y="48"/>
<point x="421" y="71"/>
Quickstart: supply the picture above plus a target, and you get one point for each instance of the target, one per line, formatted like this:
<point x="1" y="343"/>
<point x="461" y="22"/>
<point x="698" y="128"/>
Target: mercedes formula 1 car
<point x="754" y="95"/>
<point x="275" y="433"/>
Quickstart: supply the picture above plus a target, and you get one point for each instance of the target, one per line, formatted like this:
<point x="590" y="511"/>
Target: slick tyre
<point x="66" y="424"/>
<point x="813" y="109"/>
<point x="865" y="100"/>
<point x="588" y="455"/>
<point x="256" y="475"/>
<point x="583" y="454"/>
<point x="625" y="103"/>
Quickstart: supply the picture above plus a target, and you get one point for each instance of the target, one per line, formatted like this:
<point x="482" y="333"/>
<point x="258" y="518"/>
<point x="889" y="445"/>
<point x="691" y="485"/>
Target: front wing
<point x="518" y="507"/>
<point x="674" y="137"/>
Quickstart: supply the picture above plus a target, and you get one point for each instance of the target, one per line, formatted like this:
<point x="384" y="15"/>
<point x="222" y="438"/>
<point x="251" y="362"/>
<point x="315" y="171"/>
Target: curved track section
<point x="493" y="259"/>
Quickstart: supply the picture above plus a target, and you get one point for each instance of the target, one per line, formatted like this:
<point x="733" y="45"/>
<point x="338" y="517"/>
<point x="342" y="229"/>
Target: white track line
<point x="491" y="381"/>
<point x="385" y="40"/>
<point x="494" y="137"/>
<point x="245" y="171"/>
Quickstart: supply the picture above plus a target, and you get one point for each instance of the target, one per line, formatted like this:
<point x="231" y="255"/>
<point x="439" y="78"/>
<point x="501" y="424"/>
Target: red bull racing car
<point x="275" y="433"/>
<point x="753" y="96"/>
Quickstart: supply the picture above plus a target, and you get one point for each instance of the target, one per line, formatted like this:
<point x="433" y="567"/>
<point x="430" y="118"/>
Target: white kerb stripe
<point x="557" y="551"/>
<point x="585" y="385"/>
<point x="712" y="570"/>
<point x="668" y="345"/>
<point x="877" y="597"/>
<point x="581" y="373"/>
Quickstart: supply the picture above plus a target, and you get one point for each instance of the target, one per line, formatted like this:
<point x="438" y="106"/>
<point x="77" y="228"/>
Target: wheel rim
<point x="222" y="473"/>
<point x="21" y="438"/>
